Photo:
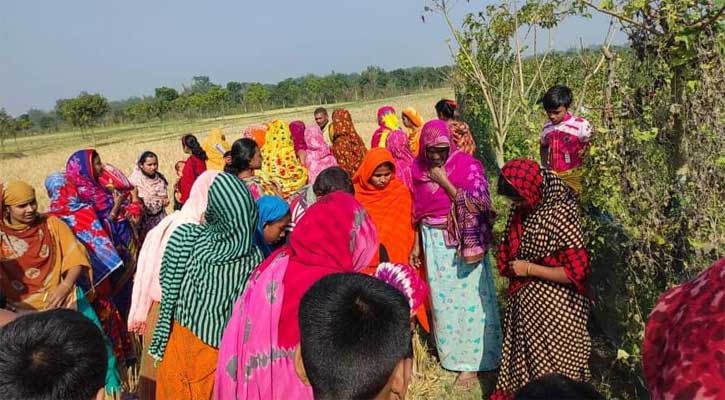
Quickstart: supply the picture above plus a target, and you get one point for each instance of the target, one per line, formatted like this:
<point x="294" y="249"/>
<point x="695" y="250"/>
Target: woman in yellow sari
<point x="40" y="261"/>
<point x="413" y="123"/>
<point x="215" y="145"/>
<point x="280" y="161"/>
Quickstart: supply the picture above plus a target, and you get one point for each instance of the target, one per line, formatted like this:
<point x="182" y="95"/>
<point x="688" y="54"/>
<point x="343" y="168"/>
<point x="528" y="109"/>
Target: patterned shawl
<point x="152" y="191"/>
<point x="256" y="356"/>
<point x="347" y="146"/>
<point x="88" y="228"/>
<point x="399" y="147"/>
<point x="318" y="157"/>
<point x="550" y="211"/>
<point x="461" y="134"/>
<point x="390" y="208"/>
<point x="387" y="122"/>
<point x="280" y="161"/>
<point x="146" y="285"/>
<point x="682" y="353"/>
<point x="205" y="267"/>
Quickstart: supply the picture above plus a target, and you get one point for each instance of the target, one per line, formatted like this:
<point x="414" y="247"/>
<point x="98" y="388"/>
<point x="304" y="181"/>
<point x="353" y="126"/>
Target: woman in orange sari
<point x="347" y="146"/>
<point x="389" y="203"/>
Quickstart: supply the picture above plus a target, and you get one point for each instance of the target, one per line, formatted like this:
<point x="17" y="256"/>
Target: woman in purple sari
<point x="452" y="207"/>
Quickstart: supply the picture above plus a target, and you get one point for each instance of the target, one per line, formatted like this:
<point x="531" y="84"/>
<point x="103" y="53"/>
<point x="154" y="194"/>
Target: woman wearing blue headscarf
<point x="274" y="216"/>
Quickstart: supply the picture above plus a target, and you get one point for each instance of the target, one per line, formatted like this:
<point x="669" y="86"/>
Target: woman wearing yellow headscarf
<point x="280" y="161"/>
<point x="413" y="122"/>
<point x="215" y="145"/>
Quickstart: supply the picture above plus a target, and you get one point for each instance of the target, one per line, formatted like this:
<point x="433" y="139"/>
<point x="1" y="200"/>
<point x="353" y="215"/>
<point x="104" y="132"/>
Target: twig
<point x="623" y="18"/>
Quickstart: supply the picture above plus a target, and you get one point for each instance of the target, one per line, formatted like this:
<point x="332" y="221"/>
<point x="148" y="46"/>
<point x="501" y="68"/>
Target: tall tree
<point x="83" y="111"/>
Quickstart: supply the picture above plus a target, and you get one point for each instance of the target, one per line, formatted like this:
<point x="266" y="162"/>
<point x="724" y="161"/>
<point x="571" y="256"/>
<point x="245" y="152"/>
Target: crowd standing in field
<point x="297" y="262"/>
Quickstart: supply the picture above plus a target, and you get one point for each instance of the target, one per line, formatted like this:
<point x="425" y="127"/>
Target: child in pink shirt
<point x="565" y="138"/>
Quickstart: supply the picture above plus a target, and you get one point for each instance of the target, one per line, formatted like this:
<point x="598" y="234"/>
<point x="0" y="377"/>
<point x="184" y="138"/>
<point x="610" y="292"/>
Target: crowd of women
<point x="213" y="289"/>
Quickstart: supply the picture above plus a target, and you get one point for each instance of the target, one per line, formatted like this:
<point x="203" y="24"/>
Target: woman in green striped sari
<point x="203" y="271"/>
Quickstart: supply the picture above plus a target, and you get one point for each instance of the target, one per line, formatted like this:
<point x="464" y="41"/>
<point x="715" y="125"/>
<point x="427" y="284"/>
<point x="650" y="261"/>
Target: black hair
<point x="320" y="110"/>
<point x="446" y="108"/>
<point x="506" y="189"/>
<point x="556" y="97"/>
<point x="354" y="330"/>
<point x="146" y="154"/>
<point x="192" y="143"/>
<point x="388" y="164"/>
<point x="557" y="386"/>
<point x="52" y="355"/>
<point x="333" y="179"/>
<point x="242" y="153"/>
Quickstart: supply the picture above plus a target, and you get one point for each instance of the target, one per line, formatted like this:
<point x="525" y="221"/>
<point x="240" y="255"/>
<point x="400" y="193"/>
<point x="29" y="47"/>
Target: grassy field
<point x="32" y="158"/>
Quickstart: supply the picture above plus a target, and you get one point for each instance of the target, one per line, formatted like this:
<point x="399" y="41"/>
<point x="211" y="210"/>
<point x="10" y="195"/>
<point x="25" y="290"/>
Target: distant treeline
<point x="204" y="98"/>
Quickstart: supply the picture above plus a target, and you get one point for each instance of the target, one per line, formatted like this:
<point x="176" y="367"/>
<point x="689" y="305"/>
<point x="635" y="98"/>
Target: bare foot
<point x="466" y="380"/>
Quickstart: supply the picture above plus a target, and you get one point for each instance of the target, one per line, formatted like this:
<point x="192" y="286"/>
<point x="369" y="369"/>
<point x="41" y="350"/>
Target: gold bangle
<point x="528" y="268"/>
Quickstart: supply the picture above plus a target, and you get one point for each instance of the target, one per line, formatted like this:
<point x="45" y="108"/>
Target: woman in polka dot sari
<point x="543" y="256"/>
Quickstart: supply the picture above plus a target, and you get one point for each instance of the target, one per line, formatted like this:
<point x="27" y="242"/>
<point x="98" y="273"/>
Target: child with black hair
<point x="355" y="339"/>
<point x="565" y="138"/>
<point x="52" y="355"/>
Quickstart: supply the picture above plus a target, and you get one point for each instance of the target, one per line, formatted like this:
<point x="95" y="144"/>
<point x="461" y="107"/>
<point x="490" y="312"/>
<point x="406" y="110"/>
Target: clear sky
<point x="55" y="49"/>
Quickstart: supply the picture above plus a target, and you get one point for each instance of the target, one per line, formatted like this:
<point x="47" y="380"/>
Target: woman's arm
<point x="58" y="297"/>
<point x="525" y="268"/>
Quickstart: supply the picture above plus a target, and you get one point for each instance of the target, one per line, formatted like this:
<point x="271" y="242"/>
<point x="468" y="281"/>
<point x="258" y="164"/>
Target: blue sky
<point x="55" y="49"/>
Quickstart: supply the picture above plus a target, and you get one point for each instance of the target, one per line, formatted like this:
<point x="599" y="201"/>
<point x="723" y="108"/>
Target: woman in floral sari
<point x="256" y="356"/>
<point x="280" y="161"/>
<point x="347" y="146"/>
<point x="460" y="132"/>
<point x="452" y="208"/>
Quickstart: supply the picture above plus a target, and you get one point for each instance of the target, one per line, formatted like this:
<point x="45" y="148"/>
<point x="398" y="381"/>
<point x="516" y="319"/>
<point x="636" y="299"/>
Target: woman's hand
<point x="59" y="296"/>
<point x="438" y="175"/>
<point x="117" y="199"/>
<point x="415" y="254"/>
<point x="521" y="268"/>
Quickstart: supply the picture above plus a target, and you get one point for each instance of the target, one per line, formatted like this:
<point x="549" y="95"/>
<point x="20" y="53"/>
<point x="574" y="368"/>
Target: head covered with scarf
<point x="215" y="145"/>
<point x="271" y="209"/>
<point x="390" y="207"/>
<point x="218" y="254"/>
<point x="545" y="208"/>
<point x="400" y="149"/>
<point x="297" y="131"/>
<point x="347" y="146"/>
<point x="335" y="235"/>
<point x="414" y="135"/>
<point x="387" y="122"/>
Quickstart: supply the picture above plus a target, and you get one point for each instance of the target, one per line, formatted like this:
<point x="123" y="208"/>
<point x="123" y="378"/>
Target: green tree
<point x="235" y="92"/>
<point x="257" y="95"/>
<point x="200" y="84"/>
<point x="7" y="126"/>
<point x="83" y="111"/>
<point x="167" y="94"/>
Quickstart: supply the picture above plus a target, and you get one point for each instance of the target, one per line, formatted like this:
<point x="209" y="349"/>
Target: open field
<point x="32" y="158"/>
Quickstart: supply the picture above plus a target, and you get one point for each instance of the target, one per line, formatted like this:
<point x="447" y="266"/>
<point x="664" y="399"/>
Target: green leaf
<point x="606" y="4"/>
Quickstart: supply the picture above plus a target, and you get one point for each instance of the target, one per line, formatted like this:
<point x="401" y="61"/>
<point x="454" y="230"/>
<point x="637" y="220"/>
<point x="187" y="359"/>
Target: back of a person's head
<point x="332" y="179"/>
<point x="557" y="96"/>
<point x="354" y="330"/>
<point x="51" y="355"/>
<point x="241" y="154"/>
<point x="558" y="387"/>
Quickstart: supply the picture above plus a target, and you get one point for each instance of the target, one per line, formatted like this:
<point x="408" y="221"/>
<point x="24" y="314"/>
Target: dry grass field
<point x="33" y="158"/>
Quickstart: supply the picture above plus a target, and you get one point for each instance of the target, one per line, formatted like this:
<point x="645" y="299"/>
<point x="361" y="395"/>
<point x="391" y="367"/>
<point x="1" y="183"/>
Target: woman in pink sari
<point x="256" y="355"/>
<point x="318" y="155"/>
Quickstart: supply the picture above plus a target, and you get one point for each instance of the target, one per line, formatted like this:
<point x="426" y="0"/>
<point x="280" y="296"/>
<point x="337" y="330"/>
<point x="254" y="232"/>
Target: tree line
<point x="203" y="98"/>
